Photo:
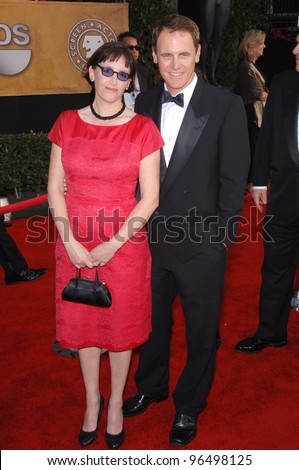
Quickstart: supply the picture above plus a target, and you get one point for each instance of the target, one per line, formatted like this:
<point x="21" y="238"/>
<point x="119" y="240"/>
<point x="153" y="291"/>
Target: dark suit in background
<point x="11" y="259"/>
<point x="15" y="266"/>
<point x="277" y="156"/>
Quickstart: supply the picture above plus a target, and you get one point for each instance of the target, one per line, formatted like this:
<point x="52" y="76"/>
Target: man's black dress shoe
<point x="114" y="441"/>
<point x="183" y="429"/>
<point x="254" y="344"/>
<point x="86" y="438"/>
<point x="138" y="403"/>
<point x="25" y="276"/>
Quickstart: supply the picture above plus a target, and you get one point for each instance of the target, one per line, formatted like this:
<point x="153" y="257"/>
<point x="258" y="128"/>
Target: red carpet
<point x="253" y="403"/>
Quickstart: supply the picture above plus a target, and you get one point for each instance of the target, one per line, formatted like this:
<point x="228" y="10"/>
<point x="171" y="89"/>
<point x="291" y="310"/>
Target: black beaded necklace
<point x="105" y="118"/>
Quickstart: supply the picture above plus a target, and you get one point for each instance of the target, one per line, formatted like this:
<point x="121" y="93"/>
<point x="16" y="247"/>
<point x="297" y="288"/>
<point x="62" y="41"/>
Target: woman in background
<point x="251" y="85"/>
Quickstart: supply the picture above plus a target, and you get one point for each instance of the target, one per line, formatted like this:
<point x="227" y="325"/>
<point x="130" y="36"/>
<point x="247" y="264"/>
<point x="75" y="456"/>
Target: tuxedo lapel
<point x="291" y="107"/>
<point x="190" y="131"/>
<point x="163" y="167"/>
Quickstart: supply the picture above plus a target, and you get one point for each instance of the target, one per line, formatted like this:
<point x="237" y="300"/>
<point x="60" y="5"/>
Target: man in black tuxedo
<point x="277" y="151"/>
<point x="204" y="165"/>
<point x="143" y="79"/>
<point x="15" y="267"/>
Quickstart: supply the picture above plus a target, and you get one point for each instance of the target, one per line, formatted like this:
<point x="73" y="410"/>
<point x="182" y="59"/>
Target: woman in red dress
<point x="103" y="151"/>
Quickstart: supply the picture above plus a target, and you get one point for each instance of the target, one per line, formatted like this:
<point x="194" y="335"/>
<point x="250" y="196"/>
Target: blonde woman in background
<point x="251" y="85"/>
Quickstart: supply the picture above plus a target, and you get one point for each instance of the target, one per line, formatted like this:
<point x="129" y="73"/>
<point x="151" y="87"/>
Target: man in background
<point x="143" y="80"/>
<point x="277" y="151"/>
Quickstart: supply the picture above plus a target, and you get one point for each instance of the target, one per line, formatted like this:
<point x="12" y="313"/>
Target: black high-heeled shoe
<point x="86" y="438"/>
<point x="114" y="441"/>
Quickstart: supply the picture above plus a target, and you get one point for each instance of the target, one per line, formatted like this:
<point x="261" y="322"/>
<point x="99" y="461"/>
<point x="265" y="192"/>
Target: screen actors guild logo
<point x="85" y="38"/>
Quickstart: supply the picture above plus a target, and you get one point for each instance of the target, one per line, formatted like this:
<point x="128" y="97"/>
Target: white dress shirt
<point x="130" y="98"/>
<point x="172" y="117"/>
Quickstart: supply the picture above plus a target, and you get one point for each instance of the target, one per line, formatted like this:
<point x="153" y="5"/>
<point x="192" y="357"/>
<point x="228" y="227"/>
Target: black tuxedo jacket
<point x="277" y="152"/>
<point x="202" y="190"/>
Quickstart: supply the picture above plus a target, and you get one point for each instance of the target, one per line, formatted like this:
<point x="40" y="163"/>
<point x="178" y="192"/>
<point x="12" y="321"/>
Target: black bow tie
<point x="178" y="99"/>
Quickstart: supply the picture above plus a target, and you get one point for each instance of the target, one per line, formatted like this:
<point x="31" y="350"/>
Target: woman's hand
<point x="78" y="255"/>
<point x="103" y="253"/>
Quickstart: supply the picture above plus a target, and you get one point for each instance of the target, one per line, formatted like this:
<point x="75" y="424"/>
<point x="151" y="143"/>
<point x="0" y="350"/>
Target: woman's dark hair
<point x="111" y="51"/>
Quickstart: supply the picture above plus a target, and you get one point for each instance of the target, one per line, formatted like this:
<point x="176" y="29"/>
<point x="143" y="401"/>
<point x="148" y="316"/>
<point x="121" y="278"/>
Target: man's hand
<point x="260" y="198"/>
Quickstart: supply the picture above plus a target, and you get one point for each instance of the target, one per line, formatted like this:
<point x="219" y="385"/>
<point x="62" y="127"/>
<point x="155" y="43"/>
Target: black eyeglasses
<point x="137" y="48"/>
<point x="108" y="72"/>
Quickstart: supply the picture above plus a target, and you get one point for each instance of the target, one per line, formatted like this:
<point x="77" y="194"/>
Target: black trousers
<point x="253" y="133"/>
<point x="278" y="271"/>
<point x="199" y="283"/>
<point x="11" y="259"/>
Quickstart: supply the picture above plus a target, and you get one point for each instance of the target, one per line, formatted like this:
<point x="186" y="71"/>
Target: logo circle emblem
<point x="85" y="38"/>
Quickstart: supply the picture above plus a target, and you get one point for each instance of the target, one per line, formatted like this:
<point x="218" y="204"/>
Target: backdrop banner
<point x="44" y="46"/>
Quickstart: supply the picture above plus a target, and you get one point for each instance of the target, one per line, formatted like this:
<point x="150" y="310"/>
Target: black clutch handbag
<point x="87" y="291"/>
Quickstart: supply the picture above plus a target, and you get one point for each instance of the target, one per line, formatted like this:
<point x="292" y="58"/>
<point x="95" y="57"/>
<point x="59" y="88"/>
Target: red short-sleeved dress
<point x="101" y="164"/>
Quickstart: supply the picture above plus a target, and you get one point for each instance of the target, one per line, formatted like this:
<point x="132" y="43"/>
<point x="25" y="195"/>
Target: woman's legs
<point x="90" y="367"/>
<point x="119" y="364"/>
